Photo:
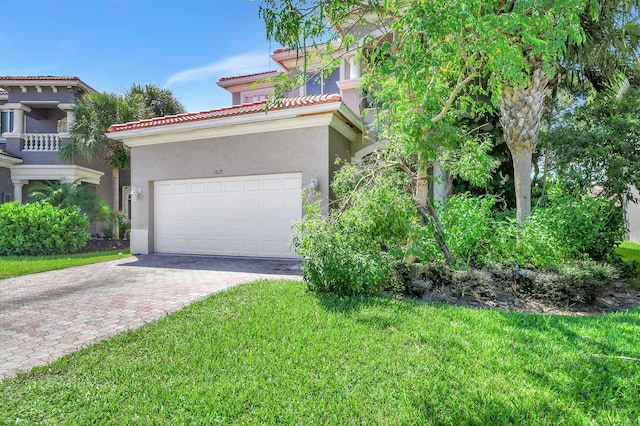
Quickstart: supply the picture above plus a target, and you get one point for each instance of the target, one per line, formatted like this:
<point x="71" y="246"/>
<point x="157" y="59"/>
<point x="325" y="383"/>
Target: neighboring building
<point x="36" y="113"/>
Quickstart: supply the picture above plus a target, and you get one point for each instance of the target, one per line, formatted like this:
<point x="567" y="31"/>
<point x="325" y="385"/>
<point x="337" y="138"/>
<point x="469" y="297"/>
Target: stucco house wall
<point x="6" y="187"/>
<point x="302" y="150"/>
<point x="633" y="219"/>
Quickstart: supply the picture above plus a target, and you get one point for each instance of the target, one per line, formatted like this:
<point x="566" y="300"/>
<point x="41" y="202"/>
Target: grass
<point x="12" y="266"/>
<point x="629" y="251"/>
<point x="271" y="353"/>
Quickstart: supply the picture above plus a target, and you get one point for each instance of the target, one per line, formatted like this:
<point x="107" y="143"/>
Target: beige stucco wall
<point x="633" y="219"/>
<point x="308" y="151"/>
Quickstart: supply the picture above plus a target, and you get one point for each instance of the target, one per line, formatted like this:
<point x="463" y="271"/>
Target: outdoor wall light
<point x="135" y="191"/>
<point x="313" y="184"/>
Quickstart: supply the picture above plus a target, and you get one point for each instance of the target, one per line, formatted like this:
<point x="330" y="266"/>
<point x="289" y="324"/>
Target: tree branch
<point x="449" y="102"/>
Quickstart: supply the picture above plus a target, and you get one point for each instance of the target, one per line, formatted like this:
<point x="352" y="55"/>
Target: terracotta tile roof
<point x="233" y="111"/>
<point x="246" y="75"/>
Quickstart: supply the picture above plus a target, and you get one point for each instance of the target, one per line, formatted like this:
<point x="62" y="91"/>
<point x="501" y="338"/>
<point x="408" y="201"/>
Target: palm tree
<point x="610" y="48"/>
<point x="94" y="113"/>
<point x="72" y="195"/>
<point x="612" y="40"/>
<point x="155" y="101"/>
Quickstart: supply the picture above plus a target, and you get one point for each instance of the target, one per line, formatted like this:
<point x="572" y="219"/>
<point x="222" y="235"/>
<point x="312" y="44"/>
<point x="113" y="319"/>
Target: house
<point x="36" y="113"/>
<point x="229" y="181"/>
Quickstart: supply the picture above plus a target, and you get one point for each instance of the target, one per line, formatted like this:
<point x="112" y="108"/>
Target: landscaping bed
<point x="523" y="290"/>
<point x="104" y="244"/>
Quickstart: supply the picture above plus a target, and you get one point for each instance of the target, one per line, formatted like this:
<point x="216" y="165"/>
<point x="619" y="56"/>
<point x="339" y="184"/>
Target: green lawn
<point x="12" y="266"/>
<point x="271" y="353"/>
<point x="629" y="251"/>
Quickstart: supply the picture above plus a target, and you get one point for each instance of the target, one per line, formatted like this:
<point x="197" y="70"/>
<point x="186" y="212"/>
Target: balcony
<point x="41" y="142"/>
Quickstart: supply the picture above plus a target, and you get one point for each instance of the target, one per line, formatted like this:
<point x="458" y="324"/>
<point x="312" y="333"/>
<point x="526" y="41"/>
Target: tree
<point x="96" y="111"/>
<point x="430" y="63"/>
<point x="597" y="145"/>
<point x="155" y="101"/>
<point x="609" y="51"/>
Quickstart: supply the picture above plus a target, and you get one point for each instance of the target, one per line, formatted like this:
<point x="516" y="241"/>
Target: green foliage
<point x="597" y="144"/>
<point x="124" y="225"/>
<point x="41" y="229"/>
<point x="337" y="260"/>
<point x="629" y="251"/>
<point x="94" y="113"/>
<point x="72" y="195"/>
<point x="564" y="228"/>
<point x="467" y="222"/>
<point x="154" y="101"/>
<point x="354" y="250"/>
<point x="586" y="224"/>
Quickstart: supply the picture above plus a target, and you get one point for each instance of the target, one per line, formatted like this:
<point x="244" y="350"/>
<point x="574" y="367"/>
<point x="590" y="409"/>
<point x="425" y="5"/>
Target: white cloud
<point x="245" y="63"/>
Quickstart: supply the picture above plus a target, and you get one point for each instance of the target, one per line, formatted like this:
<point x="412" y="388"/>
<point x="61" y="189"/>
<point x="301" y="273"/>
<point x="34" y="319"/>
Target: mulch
<point x="104" y="244"/>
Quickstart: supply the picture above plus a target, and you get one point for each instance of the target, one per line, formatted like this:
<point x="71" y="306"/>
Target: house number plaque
<point x="217" y="172"/>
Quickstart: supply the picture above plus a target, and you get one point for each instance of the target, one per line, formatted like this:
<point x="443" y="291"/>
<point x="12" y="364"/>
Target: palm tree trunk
<point x="520" y="116"/>
<point x="522" y="180"/>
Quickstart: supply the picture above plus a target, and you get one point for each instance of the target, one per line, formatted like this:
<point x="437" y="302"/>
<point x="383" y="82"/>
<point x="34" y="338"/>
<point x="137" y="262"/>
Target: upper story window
<point x="247" y="99"/>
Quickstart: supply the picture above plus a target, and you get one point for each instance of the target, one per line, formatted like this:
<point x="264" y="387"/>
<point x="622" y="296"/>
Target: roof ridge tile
<point x="234" y="110"/>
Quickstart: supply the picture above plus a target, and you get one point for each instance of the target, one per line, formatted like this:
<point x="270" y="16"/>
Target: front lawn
<point x="12" y="266"/>
<point x="629" y="251"/>
<point x="271" y="353"/>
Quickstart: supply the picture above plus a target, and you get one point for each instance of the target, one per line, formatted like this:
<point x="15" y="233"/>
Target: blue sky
<point x="184" y="45"/>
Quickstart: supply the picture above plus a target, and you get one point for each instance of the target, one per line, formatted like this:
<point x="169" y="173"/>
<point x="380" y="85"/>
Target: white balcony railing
<point x="41" y="142"/>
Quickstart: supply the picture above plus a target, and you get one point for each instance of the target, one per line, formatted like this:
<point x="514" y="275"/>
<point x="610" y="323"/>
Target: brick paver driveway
<point x="44" y="316"/>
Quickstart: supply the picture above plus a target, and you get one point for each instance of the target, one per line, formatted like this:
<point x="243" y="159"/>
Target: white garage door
<point x="239" y="216"/>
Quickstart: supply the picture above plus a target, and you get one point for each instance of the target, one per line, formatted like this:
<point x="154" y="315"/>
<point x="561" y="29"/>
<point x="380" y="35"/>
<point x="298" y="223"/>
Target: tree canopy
<point x="429" y="64"/>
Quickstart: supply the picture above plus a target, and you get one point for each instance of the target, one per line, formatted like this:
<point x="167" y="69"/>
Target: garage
<point x="229" y="181"/>
<point x="230" y="216"/>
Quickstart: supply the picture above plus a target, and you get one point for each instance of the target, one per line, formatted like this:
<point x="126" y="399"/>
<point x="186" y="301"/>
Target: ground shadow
<point x="289" y="267"/>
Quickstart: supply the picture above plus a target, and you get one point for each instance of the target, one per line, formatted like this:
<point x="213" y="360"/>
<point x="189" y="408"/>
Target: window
<point x="6" y="122"/>
<point x="254" y="98"/>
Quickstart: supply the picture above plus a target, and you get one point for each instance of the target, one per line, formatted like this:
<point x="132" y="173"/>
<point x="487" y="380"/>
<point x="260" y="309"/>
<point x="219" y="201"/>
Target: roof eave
<point x="62" y="82"/>
<point x="233" y="81"/>
<point x="248" y="119"/>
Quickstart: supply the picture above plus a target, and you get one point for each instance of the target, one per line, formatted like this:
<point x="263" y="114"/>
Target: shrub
<point x="534" y="244"/>
<point x="355" y="250"/>
<point x="467" y="224"/>
<point x="335" y="259"/>
<point x="41" y="229"/>
<point x="586" y="225"/>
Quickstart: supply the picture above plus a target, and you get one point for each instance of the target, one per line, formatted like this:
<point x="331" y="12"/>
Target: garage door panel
<point x="271" y="184"/>
<point x="239" y="216"/>
<point x="215" y="186"/>
<point x="233" y="186"/>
